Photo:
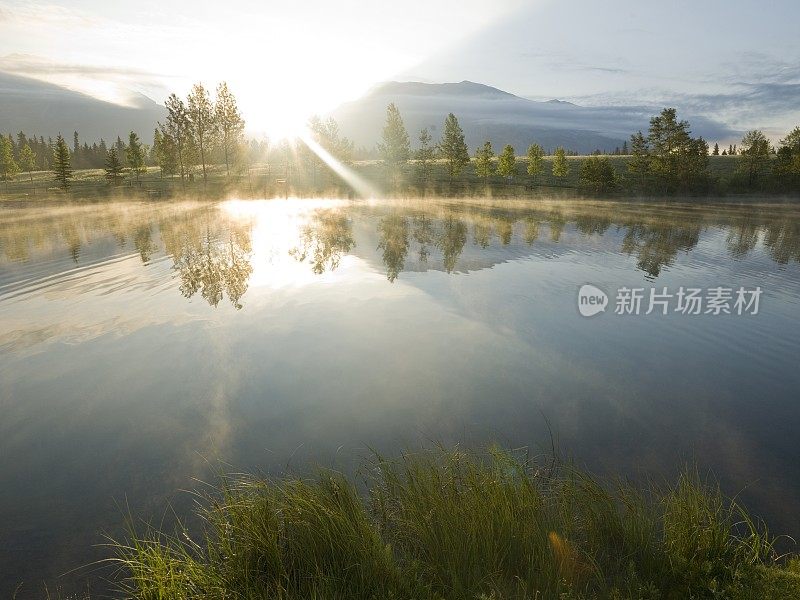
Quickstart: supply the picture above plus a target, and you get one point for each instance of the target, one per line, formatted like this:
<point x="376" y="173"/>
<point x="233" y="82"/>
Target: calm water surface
<point x="143" y="343"/>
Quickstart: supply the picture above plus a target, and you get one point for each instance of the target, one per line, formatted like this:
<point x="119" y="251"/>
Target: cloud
<point x="722" y="116"/>
<point x="561" y="61"/>
<point x="30" y="65"/>
<point x="120" y="85"/>
<point x="36" y="14"/>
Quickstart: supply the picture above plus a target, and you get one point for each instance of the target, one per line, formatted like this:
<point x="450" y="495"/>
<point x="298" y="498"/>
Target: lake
<point x="145" y="346"/>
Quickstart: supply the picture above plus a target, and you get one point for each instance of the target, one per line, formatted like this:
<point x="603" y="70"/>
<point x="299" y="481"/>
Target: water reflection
<point x="212" y="251"/>
<point x="656" y="244"/>
<point x="140" y="340"/>
<point x="394" y="242"/>
<point x="326" y="237"/>
<point x="211" y="256"/>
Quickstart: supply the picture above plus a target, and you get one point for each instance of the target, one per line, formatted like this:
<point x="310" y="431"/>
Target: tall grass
<point x="452" y="524"/>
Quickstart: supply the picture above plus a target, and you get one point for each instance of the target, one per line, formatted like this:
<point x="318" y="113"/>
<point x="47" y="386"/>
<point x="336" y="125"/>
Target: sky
<point x="737" y="61"/>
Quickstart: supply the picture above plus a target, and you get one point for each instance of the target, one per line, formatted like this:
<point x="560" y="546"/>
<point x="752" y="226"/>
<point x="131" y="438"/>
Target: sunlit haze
<point x="735" y="61"/>
<point x="284" y="61"/>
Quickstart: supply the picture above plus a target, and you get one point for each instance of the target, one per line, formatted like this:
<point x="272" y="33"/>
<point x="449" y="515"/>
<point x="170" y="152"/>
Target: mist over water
<point x="144" y="344"/>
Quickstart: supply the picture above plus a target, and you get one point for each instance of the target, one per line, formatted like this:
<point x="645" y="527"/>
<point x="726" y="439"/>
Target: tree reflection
<point x="782" y="240"/>
<point x="325" y="240"/>
<point x="505" y="229"/>
<point x="143" y="242"/>
<point x="531" y="230"/>
<point x="451" y="240"/>
<point x="482" y="233"/>
<point x="393" y="232"/>
<point x="743" y="237"/>
<point x="423" y="235"/>
<point x="590" y="223"/>
<point x="211" y="248"/>
<point x="557" y="223"/>
<point x="210" y="257"/>
<point x="656" y="244"/>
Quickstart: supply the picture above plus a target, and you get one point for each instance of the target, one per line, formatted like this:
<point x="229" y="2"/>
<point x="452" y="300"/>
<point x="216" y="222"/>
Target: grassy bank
<point x="449" y="524"/>
<point x="277" y="180"/>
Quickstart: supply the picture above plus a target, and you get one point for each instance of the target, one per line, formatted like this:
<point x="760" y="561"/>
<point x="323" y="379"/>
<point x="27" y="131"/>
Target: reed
<point x="448" y="523"/>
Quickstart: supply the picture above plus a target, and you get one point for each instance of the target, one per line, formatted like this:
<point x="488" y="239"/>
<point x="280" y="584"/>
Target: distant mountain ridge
<point x="463" y="88"/>
<point x="487" y="113"/>
<point x="40" y="108"/>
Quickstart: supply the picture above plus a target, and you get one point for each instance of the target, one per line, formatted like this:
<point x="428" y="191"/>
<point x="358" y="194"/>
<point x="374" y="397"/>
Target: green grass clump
<point x="454" y="524"/>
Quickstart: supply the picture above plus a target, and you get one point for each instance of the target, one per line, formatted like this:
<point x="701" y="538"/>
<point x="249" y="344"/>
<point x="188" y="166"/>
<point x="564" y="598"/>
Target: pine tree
<point x="135" y="155"/>
<point x="639" y="164"/>
<point x="716" y="150"/>
<point x="676" y="159"/>
<point x="535" y="160"/>
<point x="27" y="160"/>
<point x="484" y="168"/>
<point x="425" y="155"/>
<point x="560" y="164"/>
<point x="77" y="160"/>
<point x="453" y="147"/>
<point x="625" y="147"/>
<point x="113" y="167"/>
<point x="229" y="123"/>
<point x="21" y="141"/>
<point x="203" y="124"/>
<point x="395" y="147"/>
<point x="62" y="165"/>
<point x="507" y="162"/>
<point x="8" y="166"/>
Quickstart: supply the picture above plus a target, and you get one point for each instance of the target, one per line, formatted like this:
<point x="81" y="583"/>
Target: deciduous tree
<point x="787" y="162"/>
<point x="507" y="162"/>
<point x="597" y="175"/>
<point x="8" y="166"/>
<point x="229" y="123"/>
<point x="535" y="160"/>
<point x="484" y="167"/>
<point x="165" y="152"/>
<point x="178" y="129"/>
<point x="755" y="156"/>
<point x="27" y="160"/>
<point x="202" y="122"/>
<point x="560" y="164"/>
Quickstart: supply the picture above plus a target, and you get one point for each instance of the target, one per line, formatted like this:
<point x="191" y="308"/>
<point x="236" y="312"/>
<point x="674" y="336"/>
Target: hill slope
<point x="40" y="108"/>
<point x="488" y="113"/>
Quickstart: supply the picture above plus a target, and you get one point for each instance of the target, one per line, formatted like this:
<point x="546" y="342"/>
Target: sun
<point x="279" y="118"/>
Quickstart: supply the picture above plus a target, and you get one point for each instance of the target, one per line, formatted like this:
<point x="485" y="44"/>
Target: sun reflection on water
<point x="280" y="229"/>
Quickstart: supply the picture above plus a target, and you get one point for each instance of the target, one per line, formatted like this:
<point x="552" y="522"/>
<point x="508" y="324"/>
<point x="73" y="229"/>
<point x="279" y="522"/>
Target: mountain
<point x="486" y="113"/>
<point x="40" y="108"/>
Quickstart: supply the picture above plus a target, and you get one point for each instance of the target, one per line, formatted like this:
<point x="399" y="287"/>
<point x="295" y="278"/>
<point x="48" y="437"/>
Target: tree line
<point x="197" y="132"/>
<point x="668" y="159"/>
<point x="200" y="131"/>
